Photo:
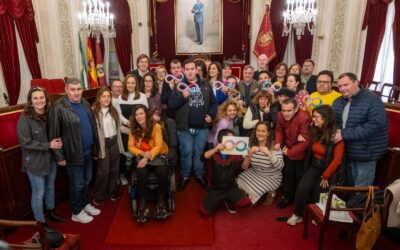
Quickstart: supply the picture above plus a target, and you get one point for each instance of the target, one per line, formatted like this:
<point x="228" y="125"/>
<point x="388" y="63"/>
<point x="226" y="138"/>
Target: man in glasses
<point x="324" y="94"/>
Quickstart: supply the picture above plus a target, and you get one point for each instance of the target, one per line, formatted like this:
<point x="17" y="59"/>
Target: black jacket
<point x="180" y="105"/>
<point x="64" y="123"/>
<point x="35" y="146"/>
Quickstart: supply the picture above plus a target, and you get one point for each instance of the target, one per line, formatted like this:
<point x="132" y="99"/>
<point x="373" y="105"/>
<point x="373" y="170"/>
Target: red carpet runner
<point x="185" y="227"/>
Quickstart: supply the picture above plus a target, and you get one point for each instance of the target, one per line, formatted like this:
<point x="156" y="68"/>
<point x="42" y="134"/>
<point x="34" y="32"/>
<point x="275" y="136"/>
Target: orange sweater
<point x="158" y="146"/>
<point x="319" y="153"/>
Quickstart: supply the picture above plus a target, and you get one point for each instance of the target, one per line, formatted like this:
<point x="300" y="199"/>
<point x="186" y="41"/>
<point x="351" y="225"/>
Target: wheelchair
<point x="169" y="133"/>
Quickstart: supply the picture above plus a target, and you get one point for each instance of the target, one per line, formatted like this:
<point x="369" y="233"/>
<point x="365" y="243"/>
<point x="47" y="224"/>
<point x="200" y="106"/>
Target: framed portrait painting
<point x="198" y="27"/>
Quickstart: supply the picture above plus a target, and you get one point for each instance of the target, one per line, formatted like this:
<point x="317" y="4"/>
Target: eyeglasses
<point x="323" y="82"/>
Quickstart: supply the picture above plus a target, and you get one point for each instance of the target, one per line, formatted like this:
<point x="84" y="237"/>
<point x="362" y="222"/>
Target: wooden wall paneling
<point x="387" y="168"/>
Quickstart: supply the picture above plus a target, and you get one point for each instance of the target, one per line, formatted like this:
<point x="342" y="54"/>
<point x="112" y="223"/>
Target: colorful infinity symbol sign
<point x="182" y="86"/>
<point x="315" y="102"/>
<point x="217" y="85"/>
<point x="239" y="145"/>
<point x="178" y="77"/>
<point x="276" y="86"/>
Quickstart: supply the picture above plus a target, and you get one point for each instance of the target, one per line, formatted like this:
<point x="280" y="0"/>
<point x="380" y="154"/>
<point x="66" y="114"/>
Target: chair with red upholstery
<point x="71" y="241"/>
<point x="8" y="128"/>
<point x="322" y="220"/>
<point x="44" y="83"/>
<point x="58" y="86"/>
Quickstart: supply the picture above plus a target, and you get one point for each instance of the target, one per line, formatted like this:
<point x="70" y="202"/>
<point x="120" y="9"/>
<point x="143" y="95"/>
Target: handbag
<point x="371" y="224"/>
<point x="159" y="160"/>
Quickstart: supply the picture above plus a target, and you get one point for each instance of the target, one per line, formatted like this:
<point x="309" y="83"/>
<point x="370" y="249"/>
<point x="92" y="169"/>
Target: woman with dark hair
<point x="322" y="160"/>
<point x="214" y="76"/>
<point x="224" y="169"/>
<point x="161" y="73"/>
<point x="226" y="71"/>
<point x="150" y="89"/>
<point x="110" y="142"/>
<point x="146" y="143"/>
<point x="201" y="69"/>
<point x="265" y="173"/>
<point x="36" y="155"/>
<point x="261" y="109"/>
<point x="295" y="69"/>
<point x="294" y="84"/>
<point x="130" y="97"/>
<point x="280" y="74"/>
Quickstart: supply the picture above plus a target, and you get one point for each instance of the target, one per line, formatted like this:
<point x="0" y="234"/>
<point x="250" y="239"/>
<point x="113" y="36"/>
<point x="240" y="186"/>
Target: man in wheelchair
<point x="151" y="174"/>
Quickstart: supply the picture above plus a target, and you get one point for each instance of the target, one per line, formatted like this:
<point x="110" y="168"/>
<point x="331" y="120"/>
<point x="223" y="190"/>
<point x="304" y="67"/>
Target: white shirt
<point x="142" y="100"/>
<point x="109" y="126"/>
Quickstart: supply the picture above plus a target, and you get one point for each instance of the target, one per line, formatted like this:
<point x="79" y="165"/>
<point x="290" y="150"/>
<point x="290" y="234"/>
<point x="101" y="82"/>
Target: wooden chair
<point x="314" y="212"/>
<point x="71" y="240"/>
<point x="386" y="92"/>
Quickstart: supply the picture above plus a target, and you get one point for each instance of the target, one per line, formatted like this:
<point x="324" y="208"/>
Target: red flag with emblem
<point x="101" y="76"/>
<point x="265" y="40"/>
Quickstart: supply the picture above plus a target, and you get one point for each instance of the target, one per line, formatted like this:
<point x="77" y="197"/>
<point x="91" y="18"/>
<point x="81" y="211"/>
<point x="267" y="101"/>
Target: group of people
<point x="301" y="133"/>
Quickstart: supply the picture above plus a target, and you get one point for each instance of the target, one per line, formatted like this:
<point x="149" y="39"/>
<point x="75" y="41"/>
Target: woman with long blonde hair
<point x="227" y="118"/>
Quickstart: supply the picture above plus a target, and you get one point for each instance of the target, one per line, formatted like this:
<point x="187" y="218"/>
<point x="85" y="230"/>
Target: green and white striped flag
<point x="84" y="72"/>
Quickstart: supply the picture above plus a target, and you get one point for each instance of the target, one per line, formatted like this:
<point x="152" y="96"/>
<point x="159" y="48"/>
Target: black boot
<point x="51" y="215"/>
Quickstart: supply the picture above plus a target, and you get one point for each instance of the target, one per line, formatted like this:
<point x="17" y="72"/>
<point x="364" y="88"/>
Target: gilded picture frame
<point x="198" y="27"/>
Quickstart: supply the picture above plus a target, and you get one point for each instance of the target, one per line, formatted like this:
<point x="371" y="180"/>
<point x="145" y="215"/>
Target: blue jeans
<point x="42" y="187"/>
<point x="362" y="172"/>
<point x="191" y="147"/>
<point x="199" y="31"/>
<point x="79" y="179"/>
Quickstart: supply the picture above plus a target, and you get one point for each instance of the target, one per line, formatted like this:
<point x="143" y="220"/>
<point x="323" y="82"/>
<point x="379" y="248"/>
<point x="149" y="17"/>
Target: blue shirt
<point x="85" y="127"/>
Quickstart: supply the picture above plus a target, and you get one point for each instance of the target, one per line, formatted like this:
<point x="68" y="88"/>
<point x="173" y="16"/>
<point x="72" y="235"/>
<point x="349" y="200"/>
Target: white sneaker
<point x="82" y="217"/>
<point x="294" y="219"/>
<point x="90" y="210"/>
<point x="123" y="180"/>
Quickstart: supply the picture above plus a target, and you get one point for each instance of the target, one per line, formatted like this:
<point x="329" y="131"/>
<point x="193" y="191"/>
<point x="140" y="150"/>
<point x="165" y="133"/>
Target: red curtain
<point x="277" y="8"/>
<point x="29" y="38"/>
<point x="374" y="19"/>
<point x="303" y="47"/>
<point x="20" y="11"/>
<point x="9" y="57"/>
<point x="396" y="46"/>
<point x="123" y="28"/>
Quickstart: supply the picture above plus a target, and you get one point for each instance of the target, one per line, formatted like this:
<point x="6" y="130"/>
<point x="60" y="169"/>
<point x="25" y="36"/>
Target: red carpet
<point x="185" y="227"/>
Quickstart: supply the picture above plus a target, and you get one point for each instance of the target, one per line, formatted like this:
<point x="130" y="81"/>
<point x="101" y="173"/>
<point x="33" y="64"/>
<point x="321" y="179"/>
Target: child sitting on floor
<point x="224" y="171"/>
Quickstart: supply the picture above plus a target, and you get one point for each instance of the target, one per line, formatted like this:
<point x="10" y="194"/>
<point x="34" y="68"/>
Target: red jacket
<point x="286" y="134"/>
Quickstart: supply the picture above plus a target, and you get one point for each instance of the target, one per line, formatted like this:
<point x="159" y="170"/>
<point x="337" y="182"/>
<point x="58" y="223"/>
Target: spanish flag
<point x="265" y="40"/>
<point x="91" y="66"/>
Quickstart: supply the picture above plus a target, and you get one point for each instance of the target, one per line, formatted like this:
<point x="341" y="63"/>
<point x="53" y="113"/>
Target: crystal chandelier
<point x="298" y="14"/>
<point x="96" y="19"/>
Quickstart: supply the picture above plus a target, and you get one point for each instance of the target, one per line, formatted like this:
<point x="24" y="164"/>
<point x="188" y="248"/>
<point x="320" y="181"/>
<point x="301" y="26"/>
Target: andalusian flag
<point x="84" y="72"/>
<point x="92" y="66"/>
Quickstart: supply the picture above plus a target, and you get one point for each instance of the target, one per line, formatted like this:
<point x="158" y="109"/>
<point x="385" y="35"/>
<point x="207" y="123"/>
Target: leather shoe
<point x="51" y="215"/>
<point x="202" y="181"/>
<point x="183" y="183"/>
<point x="284" y="203"/>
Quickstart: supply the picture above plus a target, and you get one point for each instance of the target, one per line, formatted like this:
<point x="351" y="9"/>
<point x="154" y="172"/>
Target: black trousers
<point x="161" y="173"/>
<point x="292" y="173"/>
<point x="309" y="187"/>
<point x="214" y="198"/>
<point x="107" y="171"/>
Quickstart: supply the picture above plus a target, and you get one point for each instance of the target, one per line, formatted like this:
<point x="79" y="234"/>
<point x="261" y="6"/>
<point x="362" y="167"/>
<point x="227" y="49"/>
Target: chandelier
<point x="298" y="14"/>
<point x="96" y="19"/>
